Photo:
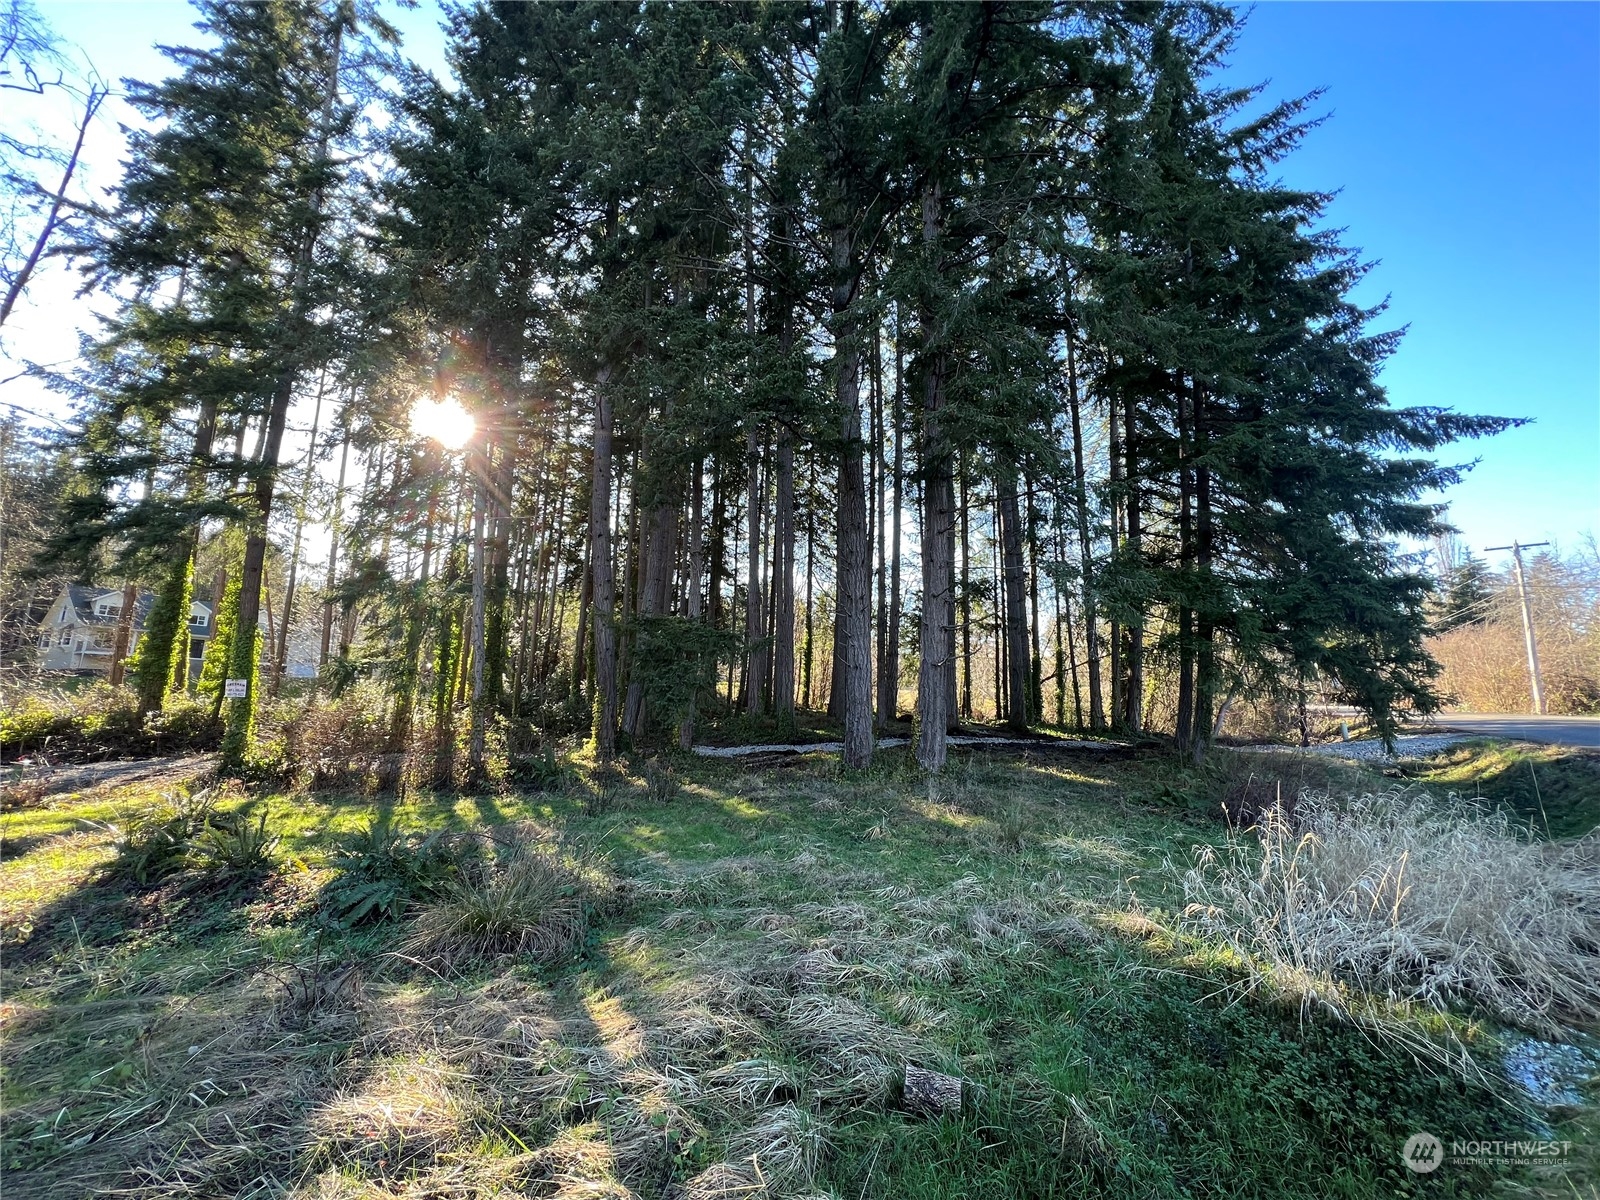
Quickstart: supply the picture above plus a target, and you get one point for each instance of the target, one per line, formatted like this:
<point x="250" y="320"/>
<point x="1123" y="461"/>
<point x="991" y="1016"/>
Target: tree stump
<point x="930" y="1093"/>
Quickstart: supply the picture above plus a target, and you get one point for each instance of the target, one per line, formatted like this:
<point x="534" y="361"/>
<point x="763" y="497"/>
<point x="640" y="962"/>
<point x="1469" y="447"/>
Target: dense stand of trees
<point x="866" y="357"/>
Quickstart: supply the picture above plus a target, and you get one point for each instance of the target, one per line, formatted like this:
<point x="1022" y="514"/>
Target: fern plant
<point x="382" y="868"/>
<point x="236" y="844"/>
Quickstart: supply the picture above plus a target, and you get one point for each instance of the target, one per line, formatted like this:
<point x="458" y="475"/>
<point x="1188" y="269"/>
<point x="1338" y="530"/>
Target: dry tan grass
<point x="532" y="901"/>
<point x="1410" y="899"/>
<point x="209" y="1103"/>
<point x="1486" y="666"/>
<point x="759" y="1000"/>
<point x="402" y="1115"/>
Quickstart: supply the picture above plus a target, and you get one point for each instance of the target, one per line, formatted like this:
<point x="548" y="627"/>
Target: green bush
<point x="185" y="831"/>
<point x="160" y="841"/>
<point x="99" y="722"/>
<point x="236" y="845"/>
<point x="539" y="772"/>
<point x="382" y="868"/>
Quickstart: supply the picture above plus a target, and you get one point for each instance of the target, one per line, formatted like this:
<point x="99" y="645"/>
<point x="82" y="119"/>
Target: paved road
<point x="1560" y="731"/>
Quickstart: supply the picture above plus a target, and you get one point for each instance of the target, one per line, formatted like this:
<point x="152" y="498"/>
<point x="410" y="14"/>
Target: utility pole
<point x="1516" y="549"/>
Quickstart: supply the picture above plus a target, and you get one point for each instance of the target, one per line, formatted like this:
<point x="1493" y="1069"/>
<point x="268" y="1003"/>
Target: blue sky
<point x="1464" y="140"/>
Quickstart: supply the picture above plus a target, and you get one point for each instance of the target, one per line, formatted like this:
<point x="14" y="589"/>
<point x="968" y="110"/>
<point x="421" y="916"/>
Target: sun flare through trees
<point x="674" y="363"/>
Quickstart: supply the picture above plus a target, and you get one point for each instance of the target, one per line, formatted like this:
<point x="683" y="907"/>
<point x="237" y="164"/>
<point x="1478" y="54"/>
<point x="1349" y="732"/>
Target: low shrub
<point x="189" y="831"/>
<point x="27" y="790"/>
<point x="662" y="783"/>
<point x="1241" y="786"/>
<point x="334" y="742"/>
<point x="160" y="840"/>
<point x="382" y="868"/>
<point x="605" y="792"/>
<point x="1402" y="896"/>
<point x="1011" y="828"/>
<point x="99" y="722"/>
<point x="538" y="771"/>
<point x="236" y="845"/>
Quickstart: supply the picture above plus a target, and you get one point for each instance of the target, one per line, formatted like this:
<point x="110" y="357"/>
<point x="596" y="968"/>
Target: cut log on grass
<point x="930" y="1093"/>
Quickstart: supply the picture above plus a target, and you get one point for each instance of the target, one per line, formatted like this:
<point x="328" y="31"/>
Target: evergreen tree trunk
<point x="691" y="591"/>
<point x="1114" y="436"/>
<point x="1035" y="661"/>
<point x="164" y="649"/>
<point x="754" y="619"/>
<point x="280" y="662"/>
<point x="660" y="552"/>
<point x="1019" y="687"/>
<point x="853" y="628"/>
<point x="884" y="706"/>
<point x="1183" y="729"/>
<point x="444" y="675"/>
<point x="219" y="650"/>
<point x="936" y="641"/>
<point x="783" y="583"/>
<point x="1135" y="688"/>
<point x="123" y="638"/>
<point x="809" y="661"/>
<point x="246" y="657"/>
<point x="580" y="641"/>
<point x="333" y="552"/>
<point x="966" y="601"/>
<point x="1002" y="641"/>
<point x="1080" y="503"/>
<point x="163" y="659"/>
<point x="718" y="548"/>
<point x="501" y="471"/>
<point x="892" y="656"/>
<point x="603" y="729"/>
<point x="476" y="717"/>
<point x="1206" y="674"/>
<point x="415" y="609"/>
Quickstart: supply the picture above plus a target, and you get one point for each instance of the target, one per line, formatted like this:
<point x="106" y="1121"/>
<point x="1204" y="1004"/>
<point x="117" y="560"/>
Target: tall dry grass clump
<point x="1403" y="896"/>
<point x="532" y="900"/>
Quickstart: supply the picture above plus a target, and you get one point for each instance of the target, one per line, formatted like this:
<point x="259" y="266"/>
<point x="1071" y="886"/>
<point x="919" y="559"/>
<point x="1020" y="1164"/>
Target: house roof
<point x="83" y="596"/>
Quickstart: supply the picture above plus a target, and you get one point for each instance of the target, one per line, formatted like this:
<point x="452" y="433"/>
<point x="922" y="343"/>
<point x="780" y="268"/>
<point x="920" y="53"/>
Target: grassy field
<point x="1553" y="790"/>
<point x="747" y="958"/>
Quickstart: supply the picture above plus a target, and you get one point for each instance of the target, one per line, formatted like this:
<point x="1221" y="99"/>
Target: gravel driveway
<point x="1413" y="746"/>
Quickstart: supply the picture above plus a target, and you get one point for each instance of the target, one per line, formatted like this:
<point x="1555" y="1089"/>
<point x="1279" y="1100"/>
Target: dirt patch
<point x="26" y="785"/>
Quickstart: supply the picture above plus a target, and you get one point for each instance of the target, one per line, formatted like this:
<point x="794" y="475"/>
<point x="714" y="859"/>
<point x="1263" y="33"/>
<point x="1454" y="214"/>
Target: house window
<point x="66" y="637"/>
<point x="44" y="641"/>
<point x="198" y="621"/>
<point x="61" y="617"/>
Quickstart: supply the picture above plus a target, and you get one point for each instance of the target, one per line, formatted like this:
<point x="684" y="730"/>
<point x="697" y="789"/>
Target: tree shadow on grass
<point x="1553" y="793"/>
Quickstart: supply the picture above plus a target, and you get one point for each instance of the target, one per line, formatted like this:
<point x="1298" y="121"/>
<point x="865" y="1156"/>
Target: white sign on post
<point x="234" y="689"/>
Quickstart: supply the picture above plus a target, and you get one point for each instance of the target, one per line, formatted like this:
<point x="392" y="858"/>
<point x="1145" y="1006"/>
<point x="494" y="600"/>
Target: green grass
<point x="788" y="938"/>
<point x="1554" y="790"/>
